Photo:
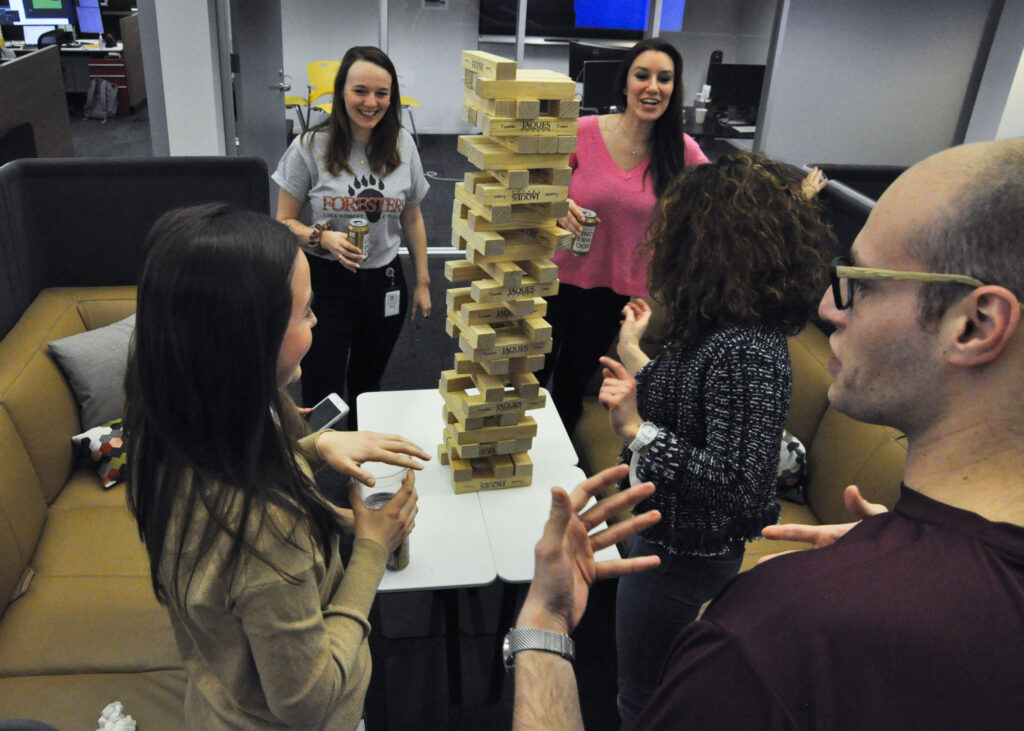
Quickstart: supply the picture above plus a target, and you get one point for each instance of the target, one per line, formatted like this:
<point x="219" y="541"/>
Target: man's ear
<point x="981" y="325"/>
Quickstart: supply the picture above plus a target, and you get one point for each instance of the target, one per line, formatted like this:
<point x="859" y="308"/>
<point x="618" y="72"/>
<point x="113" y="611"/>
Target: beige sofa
<point x="79" y="625"/>
<point x="840" y="451"/>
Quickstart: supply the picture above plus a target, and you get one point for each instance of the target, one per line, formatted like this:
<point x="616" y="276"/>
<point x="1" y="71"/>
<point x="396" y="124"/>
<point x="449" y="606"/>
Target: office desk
<point x="712" y="128"/>
<point x="79" y="65"/>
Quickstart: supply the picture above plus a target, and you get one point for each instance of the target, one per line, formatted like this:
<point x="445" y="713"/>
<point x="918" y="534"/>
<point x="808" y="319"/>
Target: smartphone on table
<point x="328" y="412"/>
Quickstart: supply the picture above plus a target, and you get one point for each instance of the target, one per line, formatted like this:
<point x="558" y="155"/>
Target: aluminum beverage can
<point x="399" y="558"/>
<point x="358" y="228"/>
<point x="581" y="244"/>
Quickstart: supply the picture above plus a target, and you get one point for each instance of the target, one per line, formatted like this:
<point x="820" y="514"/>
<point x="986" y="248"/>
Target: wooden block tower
<point x="505" y="220"/>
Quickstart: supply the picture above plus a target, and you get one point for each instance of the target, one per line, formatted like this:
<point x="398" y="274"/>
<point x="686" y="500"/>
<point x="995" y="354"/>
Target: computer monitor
<point x="87" y="17"/>
<point x="42" y="12"/>
<point x="32" y="33"/>
<point x="599" y="90"/>
<point x="736" y="89"/>
<point x="580" y="52"/>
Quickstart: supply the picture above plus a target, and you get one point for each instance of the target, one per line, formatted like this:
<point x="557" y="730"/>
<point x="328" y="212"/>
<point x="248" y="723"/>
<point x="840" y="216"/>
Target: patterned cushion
<point x="105" y="446"/>
<point x="792" y="477"/>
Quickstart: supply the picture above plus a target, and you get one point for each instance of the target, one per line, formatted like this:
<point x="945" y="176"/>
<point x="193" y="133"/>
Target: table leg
<point x="453" y="644"/>
<point x="509" y="598"/>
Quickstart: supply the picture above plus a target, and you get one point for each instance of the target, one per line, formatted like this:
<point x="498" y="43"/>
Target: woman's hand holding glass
<point x="345" y="451"/>
<point x="391" y="524"/>
<point x="618" y="395"/>
<point x="339" y="246"/>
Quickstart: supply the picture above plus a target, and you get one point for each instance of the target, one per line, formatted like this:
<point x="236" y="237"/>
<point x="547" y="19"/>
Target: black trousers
<point x="352" y="340"/>
<point x="584" y="323"/>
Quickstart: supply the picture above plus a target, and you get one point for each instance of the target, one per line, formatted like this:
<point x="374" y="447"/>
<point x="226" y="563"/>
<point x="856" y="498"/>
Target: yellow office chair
<point x="321" y="83"/>
<point x="407" y="102"/>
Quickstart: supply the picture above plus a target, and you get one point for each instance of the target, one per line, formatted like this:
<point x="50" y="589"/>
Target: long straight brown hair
<point x="382" y="149"/>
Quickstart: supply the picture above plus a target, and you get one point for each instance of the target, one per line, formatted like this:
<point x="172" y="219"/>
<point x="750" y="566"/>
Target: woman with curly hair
<point x="739" y="253"/>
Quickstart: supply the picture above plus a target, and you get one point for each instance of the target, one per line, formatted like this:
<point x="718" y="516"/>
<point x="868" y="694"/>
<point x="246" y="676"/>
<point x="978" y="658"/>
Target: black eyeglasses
<point x="844" y="274"/>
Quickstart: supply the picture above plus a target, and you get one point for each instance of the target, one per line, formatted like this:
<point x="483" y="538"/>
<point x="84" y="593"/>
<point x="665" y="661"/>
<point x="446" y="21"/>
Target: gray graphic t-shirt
<point x="337" y="199"/>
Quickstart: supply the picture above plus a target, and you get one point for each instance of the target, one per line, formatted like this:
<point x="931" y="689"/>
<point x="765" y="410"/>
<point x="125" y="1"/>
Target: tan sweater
<point x="262" y="653"/>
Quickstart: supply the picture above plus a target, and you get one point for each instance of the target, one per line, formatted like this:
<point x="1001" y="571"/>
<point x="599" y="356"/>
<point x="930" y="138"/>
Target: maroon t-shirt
<point x="915" y="619"/>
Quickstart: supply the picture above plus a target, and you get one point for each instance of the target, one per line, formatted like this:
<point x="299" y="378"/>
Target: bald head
<point x="973" y="224"/>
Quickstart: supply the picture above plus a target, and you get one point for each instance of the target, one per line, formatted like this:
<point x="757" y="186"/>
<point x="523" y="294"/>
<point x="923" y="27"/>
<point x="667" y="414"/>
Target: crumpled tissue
<point x="113" y="718"/>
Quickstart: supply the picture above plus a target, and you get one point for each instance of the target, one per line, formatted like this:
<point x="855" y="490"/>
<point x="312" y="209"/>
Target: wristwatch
<point x="646" y="434"/>
<point x="528" y="638"/>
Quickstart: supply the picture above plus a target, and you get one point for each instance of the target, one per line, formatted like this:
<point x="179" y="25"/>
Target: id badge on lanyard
<point x="392" y="295"/>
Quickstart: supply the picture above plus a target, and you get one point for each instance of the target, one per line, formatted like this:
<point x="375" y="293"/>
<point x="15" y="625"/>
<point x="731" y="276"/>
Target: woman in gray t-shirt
<point x="359" y="163"/>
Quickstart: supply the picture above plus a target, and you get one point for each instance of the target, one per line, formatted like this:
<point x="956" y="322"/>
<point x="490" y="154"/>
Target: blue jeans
<point x="652" y="607"/>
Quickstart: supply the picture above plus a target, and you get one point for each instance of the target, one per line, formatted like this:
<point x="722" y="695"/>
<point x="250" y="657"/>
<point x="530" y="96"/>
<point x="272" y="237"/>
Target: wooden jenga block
<point x="553" y="176"/>
<point x="487" y="243"/>
<point x="486" y="154"/>
<point x="528" y="144"/>
<point x="472" y="451"/>
<point x="513" y="179"/>
<point x="505" y="273"/>
<point x="510" y="127"/>
<point x="473" y="424"/>
<point x="526" y="385"/>
<point x="522" y="464"/>
<point x="542" y="271"/>
<point x="491" y="389"/>
<point x="532" y="215"/>
<point x="454" y="381"/>
<point x="460" y="270"/>
<point x="529" y="84"/>
<point x="460" y="301"/>
<point x="561" y="108"/>
<point x="492" y="193"/>
<point x="488" y="65"/>
<point x="527" y="108"/>
<point x="505" y="312"/>
<point x="493" y="292"/>
<point x="502" y="108"/>
<point x="525" y="428"/>
<point x="506" y="346"/>
<point x="480" y="337"/>
<point x="513" y="251"/>
<point x="537" y="329"/>
<point x="465" y="365"/>
<point x="468" y="77"/>
<point x="499" y="213"/>
<point x="566" y="143"/>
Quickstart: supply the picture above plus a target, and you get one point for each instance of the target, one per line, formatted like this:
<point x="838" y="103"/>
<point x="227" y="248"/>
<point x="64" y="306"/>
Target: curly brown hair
<point x="736" y="242"/>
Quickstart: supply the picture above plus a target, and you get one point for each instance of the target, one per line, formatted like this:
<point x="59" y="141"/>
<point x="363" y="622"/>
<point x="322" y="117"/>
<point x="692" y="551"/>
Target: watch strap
<point x="530" y="638"/>
<point x="646" y="434"/>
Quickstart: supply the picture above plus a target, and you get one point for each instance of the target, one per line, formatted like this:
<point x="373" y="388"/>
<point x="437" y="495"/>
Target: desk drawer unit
<point x="112" y="70"/>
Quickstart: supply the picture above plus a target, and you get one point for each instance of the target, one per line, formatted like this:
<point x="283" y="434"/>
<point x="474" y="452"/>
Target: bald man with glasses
<point x="913" y="618"/>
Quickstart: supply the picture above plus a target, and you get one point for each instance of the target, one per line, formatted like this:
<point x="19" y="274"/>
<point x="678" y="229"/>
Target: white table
<point x="470" y="539"/>
<point x="515" y="519"/>
<point x="416" y="414"/>
<point x="448" y="548"/>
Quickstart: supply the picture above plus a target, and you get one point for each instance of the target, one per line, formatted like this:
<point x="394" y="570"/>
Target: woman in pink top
<point x="622" y="165"/>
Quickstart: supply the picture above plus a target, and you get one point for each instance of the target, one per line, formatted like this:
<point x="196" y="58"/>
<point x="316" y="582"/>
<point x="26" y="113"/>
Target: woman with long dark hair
<point x="739" y="252"/>
<point x="358" y="164"/>
<point x="243" y="549"/>
<point x="623" y="164"/>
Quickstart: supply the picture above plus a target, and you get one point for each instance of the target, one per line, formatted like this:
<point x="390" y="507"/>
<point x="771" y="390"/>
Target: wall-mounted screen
<point x="622" y="19"/>
<point x="43" y="12"/>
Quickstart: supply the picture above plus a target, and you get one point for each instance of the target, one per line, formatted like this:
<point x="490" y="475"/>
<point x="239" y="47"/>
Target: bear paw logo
<point x="365" y="187"/>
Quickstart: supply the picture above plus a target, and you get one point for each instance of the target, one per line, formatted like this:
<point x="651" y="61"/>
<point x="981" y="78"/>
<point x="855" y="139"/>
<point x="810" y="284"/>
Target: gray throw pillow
<point x="95" y="362"/>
